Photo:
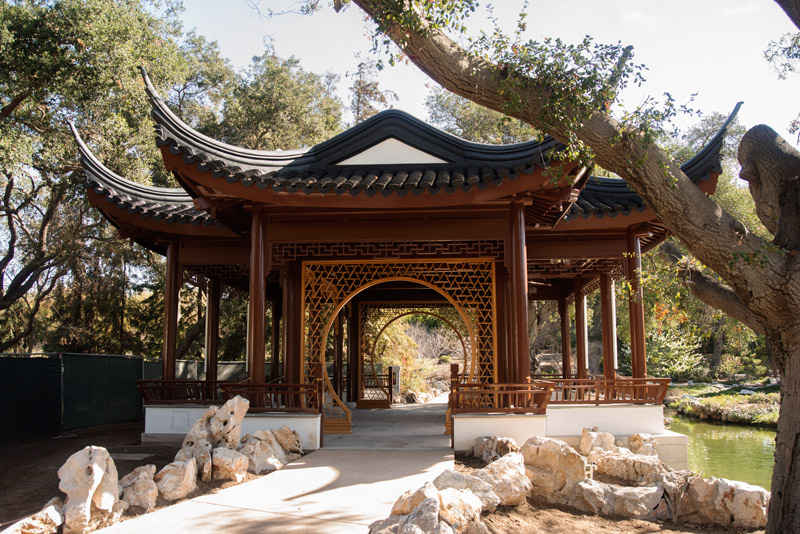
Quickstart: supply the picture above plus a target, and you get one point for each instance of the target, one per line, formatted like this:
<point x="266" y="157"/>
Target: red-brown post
<point x="338" y="353"/>
<point x="633" y="271"/>
<point x="609" y="317"/>
<point x="292" y="320"/>
<point x="258" y="294"/>
<point x="519" y="290"/>
<point x="505" y="368"/>
<point x="566" y="344"/>
<point x="212" y="328"/>
<point x="581" y="333"/>
<point x="277" y="312"/>
<point x="172" y="288"/>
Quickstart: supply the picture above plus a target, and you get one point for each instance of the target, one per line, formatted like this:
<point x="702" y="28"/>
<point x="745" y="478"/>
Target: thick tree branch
<point x="711" y="291"/>
<point x="772" y="169"/>
<point x="191" y="335"/>
<point x="792" y="10"/>
<point x="712" y="235"/>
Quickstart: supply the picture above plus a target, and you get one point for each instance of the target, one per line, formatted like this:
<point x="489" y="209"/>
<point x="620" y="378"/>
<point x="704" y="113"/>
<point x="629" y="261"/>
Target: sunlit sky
<point x="711" y="47"/>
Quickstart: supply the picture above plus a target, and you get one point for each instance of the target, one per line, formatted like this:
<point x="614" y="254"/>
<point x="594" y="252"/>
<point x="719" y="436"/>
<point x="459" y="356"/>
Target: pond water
<point x="728" y="451"/>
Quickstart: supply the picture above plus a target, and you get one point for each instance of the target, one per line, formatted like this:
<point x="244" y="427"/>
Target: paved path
<point x="341" y="488"/>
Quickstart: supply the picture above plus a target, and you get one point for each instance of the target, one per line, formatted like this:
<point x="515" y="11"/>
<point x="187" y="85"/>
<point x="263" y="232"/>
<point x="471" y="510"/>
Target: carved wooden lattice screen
<point x="376" y="316"/>
<point x="327" y="286"/>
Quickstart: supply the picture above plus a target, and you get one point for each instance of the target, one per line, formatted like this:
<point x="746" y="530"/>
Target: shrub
<point x="675" y="355"/>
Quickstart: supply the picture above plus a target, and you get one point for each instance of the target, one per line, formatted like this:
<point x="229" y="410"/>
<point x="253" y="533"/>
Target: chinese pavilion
<point x="391" y="214"/>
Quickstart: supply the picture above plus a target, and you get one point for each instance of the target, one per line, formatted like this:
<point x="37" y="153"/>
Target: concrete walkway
<point x="342" y="488"/>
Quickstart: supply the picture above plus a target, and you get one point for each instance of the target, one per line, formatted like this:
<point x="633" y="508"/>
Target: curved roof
<point x="603" y="196"/>
<point x="333" y="166"/>
<point x="170" y="205"/>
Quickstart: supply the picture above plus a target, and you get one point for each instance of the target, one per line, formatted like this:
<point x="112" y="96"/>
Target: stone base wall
<point x="520" y="427"/>
<point x="169" y="424"/>
<point x="618" y="419"/>
<point x="673" y="448"/>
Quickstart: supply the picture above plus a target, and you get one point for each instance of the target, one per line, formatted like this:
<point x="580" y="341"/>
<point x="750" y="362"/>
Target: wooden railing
<point x="377" y="387"/>
<point x="620" y="390"/>
<point x="299" y="398"/>
<point x="475" y="397"/>
<point x="182" y="391"/>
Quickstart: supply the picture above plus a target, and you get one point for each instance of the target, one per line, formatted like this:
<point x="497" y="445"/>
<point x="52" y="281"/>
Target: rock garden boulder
<point x="411" y="499"/>
<point x="626" y="466"/>
<point x="508" y="479"/>
<point x="229" y="465"/>
<point x="263" y="451"/>
<point x="459" y="508"/>
<point x="45" y="521"/>
<point x="480" y="488"/>
<point x="89" y="478"/>
<point x="290" y="442"/>
<point x="553" y="467"/>
<point x="137" y="488"/>
<point x="177" y="480"/>
<point x="643" y="444"/>
<point x="490" y="448"/>
<point x="592" y="439"/>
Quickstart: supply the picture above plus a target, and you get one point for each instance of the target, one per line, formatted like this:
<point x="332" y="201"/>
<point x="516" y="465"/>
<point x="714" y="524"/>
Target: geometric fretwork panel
<point x="328" y="285"/>
<point x="573" y="267"/>
<point x="358" y="251"/>
<point x="376" y="316"/>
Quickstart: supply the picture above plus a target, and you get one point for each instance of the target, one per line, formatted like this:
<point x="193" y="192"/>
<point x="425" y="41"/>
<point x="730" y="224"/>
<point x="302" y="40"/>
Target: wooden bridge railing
<point x="182" y="391"/>
<point x="620" y="390"/>
<point x="377" y="387"/>
<point x="274" y="397"/>
<point x="476" y="397"/>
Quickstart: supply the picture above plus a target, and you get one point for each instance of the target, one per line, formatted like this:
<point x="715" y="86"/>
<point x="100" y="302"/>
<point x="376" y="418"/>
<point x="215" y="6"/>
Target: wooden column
<point x="277" y="313"/>
<point x="172" y="289"/>
<point x="581" y="334"/>
<point x="633" y="272"/>
<point x="259" y="267"/>
<point x="212" y="327"/>
<point x="505" y="367"/>
<point x="338" y="353"/>
<point x="609" y="317"/>
<point x="566" y="344"/>
<point x="293" y="323"/>
<point x="519" y="290"/>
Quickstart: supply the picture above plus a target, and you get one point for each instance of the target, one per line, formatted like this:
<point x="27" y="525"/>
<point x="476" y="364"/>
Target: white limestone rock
<point x="290" y="442"/>
<point x="89" y="478"/>
<point x="425" y="516"/>
<point x="553" y="467"/>
<point x="643" y="444"/>
<point x="744" y="503"/>
<point x="390" y="525"/>
<point x="640" y="502"/>
<point x="263" y="452"/>
<point x="480" y="488"/>
<point x="177" y="480"/>
<point x="508" y="479"/>
<point x="490" y="448"/>
<point x="198" y="444"/>
<point x="229" y="465"/>
<point x="588" y="496"/>
<point x="411" y="499"/>
<point x="45" y="521"/>
<point x="459" y="508"/>
<point x="592" y="439"/>
<point x="626" y="466"/>
<point x="137" y="488"/>
<point x="225" y="426"/>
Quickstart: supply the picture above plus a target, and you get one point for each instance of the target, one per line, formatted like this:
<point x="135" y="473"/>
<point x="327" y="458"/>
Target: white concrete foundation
<point x="520" y="427"/>
<point x="618" y="419"/>
<point x="165" y="423"/>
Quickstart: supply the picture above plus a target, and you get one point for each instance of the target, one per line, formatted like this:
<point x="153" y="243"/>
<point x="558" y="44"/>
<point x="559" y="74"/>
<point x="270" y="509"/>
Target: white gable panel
<point x="391" y="152"/>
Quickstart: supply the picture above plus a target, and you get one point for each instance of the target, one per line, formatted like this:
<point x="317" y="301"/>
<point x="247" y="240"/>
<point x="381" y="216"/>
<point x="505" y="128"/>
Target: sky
<point x="714" y="48"/>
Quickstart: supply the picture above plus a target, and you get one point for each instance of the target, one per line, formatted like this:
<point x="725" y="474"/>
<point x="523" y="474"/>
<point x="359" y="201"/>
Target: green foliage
<point x="365" y="93"/>
<point x="444" y="358"/>
<point x="759" y="408"/>
<point x="730" y="365"/>
<point x="278" y="105"/>
<point x="470" y="121"/>
<point x="675" y="355"/>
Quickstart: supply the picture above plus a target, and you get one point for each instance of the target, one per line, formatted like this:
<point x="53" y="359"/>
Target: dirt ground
<point x="28" y="480"/>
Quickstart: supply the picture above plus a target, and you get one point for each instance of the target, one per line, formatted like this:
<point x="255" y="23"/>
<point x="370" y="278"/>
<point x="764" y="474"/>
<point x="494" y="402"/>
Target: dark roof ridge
<point x="172" y="204"/>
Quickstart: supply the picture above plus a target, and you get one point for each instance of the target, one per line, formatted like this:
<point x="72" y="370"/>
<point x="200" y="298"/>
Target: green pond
<point x="728" y="451"/>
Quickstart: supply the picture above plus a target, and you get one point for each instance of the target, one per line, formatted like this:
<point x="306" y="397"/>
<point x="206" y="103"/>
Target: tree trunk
<point x="191" y="335"/>
<point x="784" y="508"/>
